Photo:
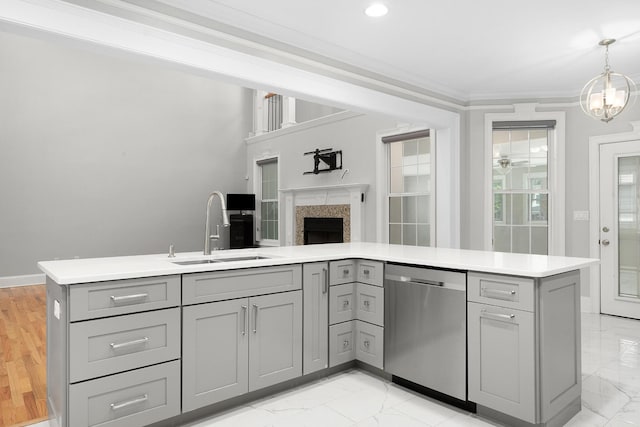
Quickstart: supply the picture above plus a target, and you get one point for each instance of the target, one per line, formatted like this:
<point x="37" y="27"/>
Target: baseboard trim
<point x="25" y="280"/>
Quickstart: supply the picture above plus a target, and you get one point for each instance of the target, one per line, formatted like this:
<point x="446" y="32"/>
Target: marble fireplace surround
<point x="336" y="201"/>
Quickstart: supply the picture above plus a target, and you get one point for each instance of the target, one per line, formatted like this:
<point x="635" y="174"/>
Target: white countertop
<point x="68" y="272"/>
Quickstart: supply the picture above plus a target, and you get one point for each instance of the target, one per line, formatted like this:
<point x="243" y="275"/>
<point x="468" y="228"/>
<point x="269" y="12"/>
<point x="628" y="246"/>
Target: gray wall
<point x="306" y="110"/>
<point x="356" y="137"/>
<point x="105" y="156"/>
<point x="579" y="128"/>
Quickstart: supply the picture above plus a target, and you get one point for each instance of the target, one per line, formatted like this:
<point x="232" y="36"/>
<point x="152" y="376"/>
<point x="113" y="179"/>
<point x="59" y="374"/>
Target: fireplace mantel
<point x="339" y="194"/>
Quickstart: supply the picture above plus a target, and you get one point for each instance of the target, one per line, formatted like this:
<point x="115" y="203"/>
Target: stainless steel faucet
<point x="207" y="226"/>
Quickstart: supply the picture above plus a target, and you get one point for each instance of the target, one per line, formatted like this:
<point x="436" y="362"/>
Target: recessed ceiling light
<point x="376" y="10"/>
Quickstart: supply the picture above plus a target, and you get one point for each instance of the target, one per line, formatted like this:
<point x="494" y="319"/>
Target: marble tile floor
<point x="610" y="393"/>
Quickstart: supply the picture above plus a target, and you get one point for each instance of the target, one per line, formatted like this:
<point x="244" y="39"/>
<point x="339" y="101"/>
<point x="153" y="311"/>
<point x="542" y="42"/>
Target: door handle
<point x="325" y="285"/>
<point x="255" y="318"/>
<point x="605" y="242"/>
<point x="244" y="316"/>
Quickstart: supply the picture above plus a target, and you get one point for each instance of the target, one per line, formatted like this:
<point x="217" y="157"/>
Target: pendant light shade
<point x="605" y="96"/>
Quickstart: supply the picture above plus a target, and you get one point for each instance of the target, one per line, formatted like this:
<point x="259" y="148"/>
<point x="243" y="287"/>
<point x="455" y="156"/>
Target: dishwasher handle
<point x="423" y="282"/>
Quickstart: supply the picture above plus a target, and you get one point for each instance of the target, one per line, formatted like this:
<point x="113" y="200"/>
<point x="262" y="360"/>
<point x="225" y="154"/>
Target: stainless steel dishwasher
<point x="425" y="328"/>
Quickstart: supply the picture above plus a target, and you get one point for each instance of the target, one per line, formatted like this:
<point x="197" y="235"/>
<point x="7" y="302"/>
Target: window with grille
<point x="520" y="186"/>
<point x="410" y="188"/>
<point x="268" y="195"/>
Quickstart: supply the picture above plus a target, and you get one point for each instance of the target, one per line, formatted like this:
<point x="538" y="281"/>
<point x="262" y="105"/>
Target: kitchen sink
<point x="218" y="260"/>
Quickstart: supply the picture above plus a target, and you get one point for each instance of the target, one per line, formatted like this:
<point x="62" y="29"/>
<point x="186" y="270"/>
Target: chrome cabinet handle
<point x="345" y="304"/>
<point x="255" y="318"/>
<point x="345" y="343"/>
<point x="244" y="316"/>
<point x="345" y="272"/>
<point x="120" y="405"/>
<point x="365" y="272"/>
<point x="498" y="315"/>
<point x="127" y="298"/>
<point x="366" y="304"/>
<point x="118" y="346"/>
<point x="499" y="291"/>
<point x="366" y="344"/>
<point x="325" y="286"/>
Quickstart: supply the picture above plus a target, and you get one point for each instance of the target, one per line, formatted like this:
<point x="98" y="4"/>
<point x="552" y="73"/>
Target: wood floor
<point x="23" y="340"/>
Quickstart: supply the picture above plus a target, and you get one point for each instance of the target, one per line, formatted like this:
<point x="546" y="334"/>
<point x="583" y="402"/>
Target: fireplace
<point x="323" y="230"/>
<point x="344" y="201"/>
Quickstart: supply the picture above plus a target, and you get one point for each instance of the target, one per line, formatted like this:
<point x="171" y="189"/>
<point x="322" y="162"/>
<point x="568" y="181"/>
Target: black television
<point x="241" y="202"/>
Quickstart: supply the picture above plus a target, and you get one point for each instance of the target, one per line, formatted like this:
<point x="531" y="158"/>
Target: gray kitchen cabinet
<point x="501" y="359"/>
<point x="524" y="346"/>
<point x="315" y="289"/>
<point x="275" y="339"/>
<point x="356" y="312"/>
<point x="113" y="352"/>
<point x="215" y="340"/>
<point x="236" y="346"/>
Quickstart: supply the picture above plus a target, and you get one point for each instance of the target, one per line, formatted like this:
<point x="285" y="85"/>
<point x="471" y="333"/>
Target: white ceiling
<point x="465" y="49"/>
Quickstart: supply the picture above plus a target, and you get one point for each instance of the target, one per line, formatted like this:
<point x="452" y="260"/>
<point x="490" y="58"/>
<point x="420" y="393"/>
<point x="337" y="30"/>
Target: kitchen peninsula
<point x="150" y="339"/>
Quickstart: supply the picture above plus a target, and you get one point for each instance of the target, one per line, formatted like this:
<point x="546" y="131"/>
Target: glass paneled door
<point x="620" y="229"/>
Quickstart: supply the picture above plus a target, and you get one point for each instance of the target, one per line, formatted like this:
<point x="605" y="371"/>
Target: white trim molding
<point x="24" y="280"/>
<point x="594" y="203"/>
<point x="556" y="168"/>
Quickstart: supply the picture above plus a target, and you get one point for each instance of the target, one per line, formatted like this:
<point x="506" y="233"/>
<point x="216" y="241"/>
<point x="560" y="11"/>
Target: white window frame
<point x="257" y="189"/>
<point x="555" y="170"/>
<point x="431" y="191"/>
<point x="384" y="177"/>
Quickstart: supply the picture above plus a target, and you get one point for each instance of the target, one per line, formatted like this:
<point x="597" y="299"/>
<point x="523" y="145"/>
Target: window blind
<point x="525" y="124"/>
<point x="406" y="136"/>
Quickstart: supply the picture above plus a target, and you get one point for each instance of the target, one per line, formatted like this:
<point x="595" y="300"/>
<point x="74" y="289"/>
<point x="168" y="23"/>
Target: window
<point x="267" y="180"/>
<point x="520" y="186"/>
<point x="410" y="188"/>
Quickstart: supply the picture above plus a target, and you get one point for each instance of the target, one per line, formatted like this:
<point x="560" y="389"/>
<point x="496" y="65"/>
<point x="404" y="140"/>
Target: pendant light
<point x="605" y="96"/>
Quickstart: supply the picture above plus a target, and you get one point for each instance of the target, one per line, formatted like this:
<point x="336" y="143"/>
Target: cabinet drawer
<point x="370" y="303"/>
<point x="105" y="346"/>
<point x="504" y="291"/>
<point x="93" y="300"/>
<point x="369" y="343"/>
<point x="342" y="348"/>
<point x="343" y="271"/>
<point x="224" y="285"/>
<point x="134" y="398"/>
<point x="370" y="272"/>
<point x="341" y="303"/>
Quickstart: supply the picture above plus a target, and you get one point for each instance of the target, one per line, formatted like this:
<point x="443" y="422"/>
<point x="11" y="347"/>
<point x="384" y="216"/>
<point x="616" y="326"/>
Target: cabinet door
<point x="501" y="359"/>
<point x="215" y="352"/>
<point x="369" y="343"/>
<point x="275" y="339"/>
<point x="315" y="288"/>
<point x="342" y="347"/>
<point x="342" y="306"/>
<point x="370" y="303"/>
